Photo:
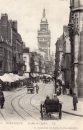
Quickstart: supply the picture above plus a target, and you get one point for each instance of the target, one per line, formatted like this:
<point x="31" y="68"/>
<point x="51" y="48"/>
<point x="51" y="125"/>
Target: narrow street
<point x="23" y="106"/>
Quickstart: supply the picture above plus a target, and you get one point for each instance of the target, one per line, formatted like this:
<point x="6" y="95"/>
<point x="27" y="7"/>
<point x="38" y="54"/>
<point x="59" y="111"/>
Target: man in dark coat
<point x="47" y="101"/>
<point x="2" y="99"/>
<point x="75" y="101"/>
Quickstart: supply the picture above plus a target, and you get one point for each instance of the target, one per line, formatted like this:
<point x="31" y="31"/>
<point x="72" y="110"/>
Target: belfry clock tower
<point x="44" y="36"/>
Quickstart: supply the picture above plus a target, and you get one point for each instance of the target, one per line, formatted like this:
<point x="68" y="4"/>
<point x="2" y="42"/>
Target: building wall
<point x="5" y="57"/>
<point x="58" y="56"/>
<point x="8" y="33"/>
<point x="76" y="18"/>
<point x="27" y="62"/>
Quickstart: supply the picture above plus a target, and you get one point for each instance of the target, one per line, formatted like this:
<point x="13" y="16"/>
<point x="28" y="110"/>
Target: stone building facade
<point x="63" y="58"/>
<point x="26" y="58"/>
<point x="75" y="29"/>
<point x="12" y="47"/>
<point x="5" y="56"/>
<point x="37" y="63"/>
<point x="66" y="58"/>
<point x="58" y="55"/>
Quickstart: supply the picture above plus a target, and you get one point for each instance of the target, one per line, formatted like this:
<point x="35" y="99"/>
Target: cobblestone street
<point x="23" y="107"/>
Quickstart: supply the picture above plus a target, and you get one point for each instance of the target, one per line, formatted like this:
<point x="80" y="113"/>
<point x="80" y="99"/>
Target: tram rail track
<point x="18" y="104"/>
<point x="1" y="111"/>
<point x="22" y="95"/>
<point x="30" y="104"/>
<point x="26" y="111"/>
<point x="2" y="115"/>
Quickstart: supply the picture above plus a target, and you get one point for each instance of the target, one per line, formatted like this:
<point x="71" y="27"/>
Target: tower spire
<point x="44" y="13"/>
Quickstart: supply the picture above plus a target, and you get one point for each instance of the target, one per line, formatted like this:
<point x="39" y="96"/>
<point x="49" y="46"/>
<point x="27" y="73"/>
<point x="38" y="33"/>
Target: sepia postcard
<point x="41" y="64"/>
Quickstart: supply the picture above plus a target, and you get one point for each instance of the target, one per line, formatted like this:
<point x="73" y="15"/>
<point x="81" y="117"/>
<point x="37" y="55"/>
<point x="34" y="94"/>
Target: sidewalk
<point x="67" y="106"/>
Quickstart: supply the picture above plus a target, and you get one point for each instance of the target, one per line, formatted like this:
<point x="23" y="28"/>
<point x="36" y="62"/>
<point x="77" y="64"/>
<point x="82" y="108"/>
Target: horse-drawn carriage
<point x="50" y="109"/>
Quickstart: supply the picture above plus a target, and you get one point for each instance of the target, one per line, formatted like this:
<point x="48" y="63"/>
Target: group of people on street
<point x="52" y="101"/>
<point x="62" y="89"/>
<point x="56" y="101"/>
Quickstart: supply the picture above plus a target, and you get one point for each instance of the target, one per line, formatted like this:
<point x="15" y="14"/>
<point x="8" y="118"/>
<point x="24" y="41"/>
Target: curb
<point x="80" y="100"/>
<point x="72" y="113"/>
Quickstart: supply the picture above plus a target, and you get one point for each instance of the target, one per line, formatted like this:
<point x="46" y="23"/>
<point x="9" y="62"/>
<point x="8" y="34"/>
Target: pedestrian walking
<point x="75" y="101"/>
<point x="2" y="99"/>
<point x="0" y="87"/>
<point x="37" y="88"/>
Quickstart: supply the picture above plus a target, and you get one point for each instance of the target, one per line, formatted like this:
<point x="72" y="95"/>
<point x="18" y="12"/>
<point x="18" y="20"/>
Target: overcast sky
<point x="28" y="13"/>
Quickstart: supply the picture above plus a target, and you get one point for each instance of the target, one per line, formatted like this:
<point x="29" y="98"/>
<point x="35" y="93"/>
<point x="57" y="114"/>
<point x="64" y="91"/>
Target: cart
<point x="30" y="89"/>
<point x="50" y="109"/>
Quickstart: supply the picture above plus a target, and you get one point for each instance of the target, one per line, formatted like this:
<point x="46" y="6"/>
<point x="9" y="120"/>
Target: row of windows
<point x="8" y="66"/>
<point x="5" y="52"/>
<point x="18" y="47"/>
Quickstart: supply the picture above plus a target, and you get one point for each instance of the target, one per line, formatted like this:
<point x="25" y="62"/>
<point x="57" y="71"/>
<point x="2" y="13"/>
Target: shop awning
<point x="60" y="76"/>
<point x="14" y="76"/>
<point x="37" y="74"/>
<point x="41" y="75"/>
<point x="26" y="75"/>
<point x="19" y="77"/>
<point x="7" y="78"/>
<point x="33" y="75"/>
<point x="48" y="76"/>
<point x="60" y="79"/>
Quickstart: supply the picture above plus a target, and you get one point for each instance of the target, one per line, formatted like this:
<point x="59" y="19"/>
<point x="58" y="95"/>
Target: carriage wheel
<point x="60" y="114"/>
<point x="41" y="111"/>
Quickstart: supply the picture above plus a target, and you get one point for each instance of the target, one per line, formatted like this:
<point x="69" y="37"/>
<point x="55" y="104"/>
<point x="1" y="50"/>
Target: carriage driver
<point x="55" y="98"/>
<point x="47" y="100"/>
